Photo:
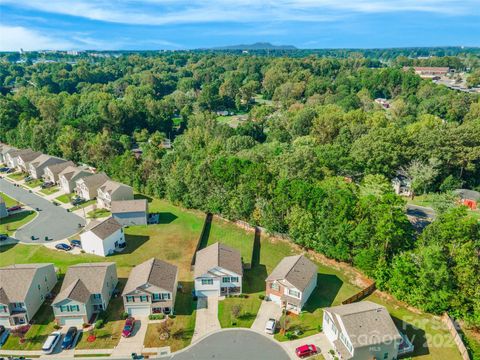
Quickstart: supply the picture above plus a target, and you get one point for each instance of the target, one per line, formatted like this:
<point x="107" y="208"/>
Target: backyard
<point x="13" y="222"/>
<point x="98" y="213"/>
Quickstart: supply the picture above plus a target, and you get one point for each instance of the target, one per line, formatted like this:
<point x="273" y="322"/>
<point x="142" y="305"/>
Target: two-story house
<point x="151" y="288"/>
<point x="25" y="158"/>
<point x="87" y="187"/>
<point x="36" y="167"/>
<point x="11" y="156"/>
<point x="113" y="191"/>
<point x="361" y="331"/>
<point x="86" y="290"/>
<point x="292" y="282"/>
<point x="23" y="289"/>
<point x="69" y="176"/>
<point x="218" y="271"/>
<point x="52" y="172"/>
<point x="4" y="149"/>
<point x="103" y="237"/>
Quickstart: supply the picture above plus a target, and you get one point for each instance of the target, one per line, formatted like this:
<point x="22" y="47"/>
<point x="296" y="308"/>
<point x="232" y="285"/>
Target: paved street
<point x="52" y="221"/>
<point x="267" y="310"/>
<point x="238" y="344"/>
<point x="206" y="318"/>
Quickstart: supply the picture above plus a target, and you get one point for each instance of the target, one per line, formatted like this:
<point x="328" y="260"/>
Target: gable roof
<point x="43" y="158"/>
<point x="125" y="206"/>
<point x="110" y="186"/>
<point x="365" y="323"/>
<point x="15" y="281"/>
<point x="104" y="228"/>
<point x="59" y="167"/>
<point x="154" y="272"/>
<point x="28" y="155"/>
<point x="71" y="171"/>
<point x="297" y="270"/>
<point x="218" y="255"/>
<point x="468" y="194"/>
<point x="94" y="181"/>
<point x="82" y="280"/>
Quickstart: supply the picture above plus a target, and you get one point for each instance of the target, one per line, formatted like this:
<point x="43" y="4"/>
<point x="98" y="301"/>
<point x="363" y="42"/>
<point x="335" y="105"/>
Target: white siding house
<point x="103" y="238"/>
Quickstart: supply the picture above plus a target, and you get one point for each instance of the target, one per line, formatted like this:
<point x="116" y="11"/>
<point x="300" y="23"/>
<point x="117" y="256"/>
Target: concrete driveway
<point x="134" y="343"/>
<point x="52" y="221"/>
<point x="237" y="344"/>
<point x="268" y="310"/>
<point x="206" y="320"/>
<point x="319" y="340"/>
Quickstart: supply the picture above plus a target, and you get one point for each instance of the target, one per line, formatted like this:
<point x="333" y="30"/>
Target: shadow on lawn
<point x="415" y="335"/>
<point x="254" y="279"/>
<point x="184" y="304"/>
<point x="133" y="243"/>
<point x="17" y="217"/>
<point x="166" y="217"/>
<point x="142" y="196"/>
<point x="325" y="293"/>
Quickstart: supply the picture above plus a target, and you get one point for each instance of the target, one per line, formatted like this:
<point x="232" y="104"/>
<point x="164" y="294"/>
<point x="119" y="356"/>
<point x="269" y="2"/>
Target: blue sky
<point x="186" y="24"/>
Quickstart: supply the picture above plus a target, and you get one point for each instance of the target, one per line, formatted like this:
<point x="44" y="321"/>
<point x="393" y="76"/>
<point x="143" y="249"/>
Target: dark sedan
<point x="69" y="339"/>
<point x="63" y="246"/>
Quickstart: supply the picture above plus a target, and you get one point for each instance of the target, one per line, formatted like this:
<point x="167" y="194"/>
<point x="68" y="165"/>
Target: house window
<point x="226" y="279"/>
<point x="39" y="287"/>
<point x="130" y="299"/>
<point x="385" y="356"/>
<point x="166" y="296"/>
<point x="275" y="286"/>
<point x="143" y="298"/>
<point x="3" y="309"/>
<point x="74" y="308"/>
<point x="207" y="281"/>
<point x="234" y="279"/>
<point x="294" y="293"/>
<point x="97" y="296"/>
<point x="156" y="297"/>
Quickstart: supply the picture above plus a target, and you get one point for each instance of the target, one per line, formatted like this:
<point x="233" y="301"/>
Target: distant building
<point x="36" y="167"/>
<point x="402" y="185"/>
<point x="383" y="103"/>
<point x="113" y="191"/>
<point x="468" y="198"/>
<point x="52" y="172"/>
<point x="69" y="176"/>
<point x="130" y="212"/>
<point x="87" y="187"/>
<point x="429" y="72"/>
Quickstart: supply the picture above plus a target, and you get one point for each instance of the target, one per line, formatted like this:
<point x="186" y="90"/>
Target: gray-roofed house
<point x="36" y="167"/>
<point x="52" y="172"/>
<point x="25" y="158"/>
<point x="4" y="148"/>
<point x="14" y="157"/>
<point x="130" y="212"/>
<point x="3" y="208"/>
<point x="218" y="271"/>
<point x="292" y="282"/>
<point x="23" y="289"/>
<point x="103" y="237"/>
<point x="361" y="331"/>
<point x="87" y="187"/>
<point x="86" y="290"/>
<point x="68" y="177"/>
<point x="151" y="288"/>
<point x="111" y="191"/>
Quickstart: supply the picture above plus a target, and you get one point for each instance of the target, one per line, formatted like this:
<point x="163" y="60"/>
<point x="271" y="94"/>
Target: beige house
<point x="151" y="288"/>
<point x="130" y="212"/>
<point x="25" y="158"/>
<point x="68" y="177"/>
<point x="87" y="187"/>
<point x="361" y="331"/>
<point x="36" y="167"/>
<point x="23" y="289"/>
<point x="86" y="290"/>
<point x="52" y="172"/>
<point x="4" y="149"/>
<point x="292" y="282"/>
<point x="218" y="271"/>
<point x="113" y="191"/>
<point x="12" y="157"/>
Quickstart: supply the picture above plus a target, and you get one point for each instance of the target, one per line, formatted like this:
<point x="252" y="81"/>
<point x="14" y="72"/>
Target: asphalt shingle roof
<point x="218" y="255"/>
<point x="124" y="206"/>
<point x="104" y="228"/>
<point x="15" y="280"/>
<point x="154" y="272"/>
<point x="297" y="270"/>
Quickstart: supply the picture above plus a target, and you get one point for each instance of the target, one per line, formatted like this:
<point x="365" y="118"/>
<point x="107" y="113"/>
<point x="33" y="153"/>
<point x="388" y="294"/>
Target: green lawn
<point x="98" y="213"/>
<point x="8" y="200"/>
<point x="50" y="190"/>
<point x="34" y="183"/>
<point x="65" y="198"/>
<point x="85" y="204"/>
<point x="11" y="223"/>
<point x="17" y="176"/>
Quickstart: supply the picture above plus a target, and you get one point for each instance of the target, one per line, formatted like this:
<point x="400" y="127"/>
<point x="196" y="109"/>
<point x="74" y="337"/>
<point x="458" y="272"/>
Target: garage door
<point x="139" y="311"/>
<point x="4" y="321"/>
<point x="276" y="299"/>
<point x="207" y="293"/>
<point x="72" y="321"/>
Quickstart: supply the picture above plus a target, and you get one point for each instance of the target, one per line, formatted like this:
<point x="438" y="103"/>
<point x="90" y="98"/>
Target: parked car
<point x="77" y="201"/>
<point x="3" y="237"/>
<point x="76" y="243"/>
<point x="270" y="326"/>
<point x="4" y="169"/>
<point x="306" y="350"/>
<point x="47" y="184"/>
<point x="28" y="178"/>
<point x="128" y="327"/>
<point x="3" y="335"/>
<point x="63" y="246"/>
<point x="51" y="342"/>
<point x="14" y="208"/>
<point x="69" y="339"/>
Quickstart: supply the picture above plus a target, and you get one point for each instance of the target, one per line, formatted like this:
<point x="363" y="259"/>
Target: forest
<point x="313" y="158"/>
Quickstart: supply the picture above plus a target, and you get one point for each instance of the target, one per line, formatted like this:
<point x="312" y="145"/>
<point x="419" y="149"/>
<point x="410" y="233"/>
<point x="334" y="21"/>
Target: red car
<point x="14" y="208"/>
<point x="128" y="327"/>
<point x="306" y="350"/>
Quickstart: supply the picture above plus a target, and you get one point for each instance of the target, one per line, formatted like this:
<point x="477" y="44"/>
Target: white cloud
<point x="161" y="12"/>
<point x="18" y="37"/>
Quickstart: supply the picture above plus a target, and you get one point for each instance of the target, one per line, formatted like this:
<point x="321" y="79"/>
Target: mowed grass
<point x="34" y="183"/>
<point x="9" y="202"/>
<point x="13" y="222"/>
<point x="98" y="213"/>
<point x="17" y="176"/>
<point x="50" y="190"/>
<point x="65" y="198"/>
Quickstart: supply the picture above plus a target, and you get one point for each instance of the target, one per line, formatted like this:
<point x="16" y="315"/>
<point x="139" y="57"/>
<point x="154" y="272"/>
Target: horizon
<point x="150" y="25"/>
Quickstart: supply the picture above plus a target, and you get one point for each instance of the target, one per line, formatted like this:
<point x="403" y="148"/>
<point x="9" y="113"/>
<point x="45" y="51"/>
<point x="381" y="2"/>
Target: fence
<point x="203" y="235"/>
<point x="452" y="327"/>
<point x="360" y="295"/>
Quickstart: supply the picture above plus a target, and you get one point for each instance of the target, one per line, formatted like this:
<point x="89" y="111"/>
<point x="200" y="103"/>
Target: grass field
<point x="64" y="198"/>
<point x="13" y="222"/>
<point x="8" y="200"/>
<point x="98" y="213"/>
<point x="17" y="176"/>
<point x="50" y="190"/>
<point x="34" y="183"/>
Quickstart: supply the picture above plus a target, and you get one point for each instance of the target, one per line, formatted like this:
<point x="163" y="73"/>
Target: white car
<point x="51" y="342"/>
<point x="270" y="326"/>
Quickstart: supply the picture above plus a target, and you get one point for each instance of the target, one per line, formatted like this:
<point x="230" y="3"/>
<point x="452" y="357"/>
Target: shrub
<point x="99" y="324"/>
<point x="56" y="326"/>
<point x="261" y="297"/>
<point x="290" y="336"/>
<point x="124" y="315"/>
<point x="156" y="316"/>
<point x="171" y="316"/>
<point x="319" y="328"/>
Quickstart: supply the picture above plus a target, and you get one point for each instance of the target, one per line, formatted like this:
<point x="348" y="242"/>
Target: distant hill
<point x="256" y="46"/>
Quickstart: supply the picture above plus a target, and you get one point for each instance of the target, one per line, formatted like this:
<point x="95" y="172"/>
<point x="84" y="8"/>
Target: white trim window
<point x="294" y="293"/>
<point x="207" y="281"/>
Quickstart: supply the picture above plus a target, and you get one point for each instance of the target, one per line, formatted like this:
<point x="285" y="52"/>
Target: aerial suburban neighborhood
<point x="218" y="180"/>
